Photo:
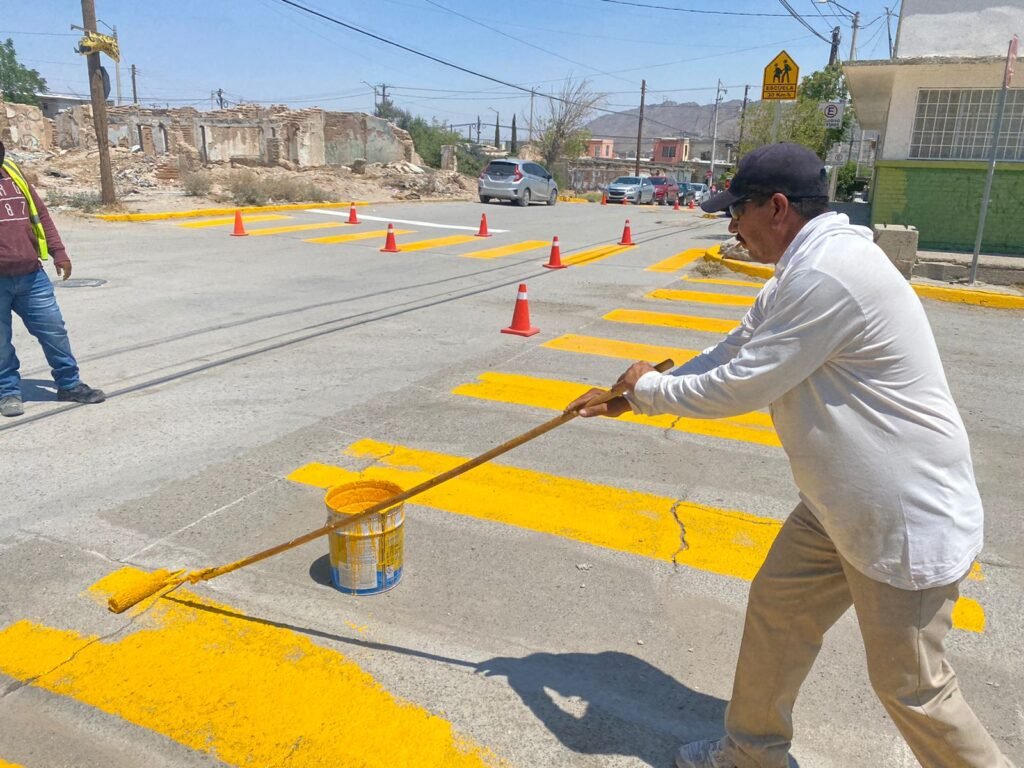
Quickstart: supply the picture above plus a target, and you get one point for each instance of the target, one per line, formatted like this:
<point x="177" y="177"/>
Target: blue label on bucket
<point x="386" y="579"/>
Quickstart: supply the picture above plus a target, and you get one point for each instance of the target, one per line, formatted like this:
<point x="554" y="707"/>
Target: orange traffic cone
<point x="627" y="235"/>
<point x="352" y="218"/>
<point x="555" y="260"/>
<point x="604" y="198"/>
<point x="521" y="316"/>
<point x="389" y="243"/>
<point x="691" y="205"/>
<point x="239" y="227"/>
<point x="624" y="202"/>
<point x="676" y="206"/>
<point x="483" y="226"/>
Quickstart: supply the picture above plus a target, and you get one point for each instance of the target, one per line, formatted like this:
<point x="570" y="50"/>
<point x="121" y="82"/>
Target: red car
<point x="666" y="190"/>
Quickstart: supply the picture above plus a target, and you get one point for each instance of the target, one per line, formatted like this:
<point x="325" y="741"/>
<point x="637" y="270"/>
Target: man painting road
<point x="889" y="519"/>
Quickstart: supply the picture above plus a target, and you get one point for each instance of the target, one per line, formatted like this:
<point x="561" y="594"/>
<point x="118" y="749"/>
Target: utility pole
<point x="478" y="129"/>
<point x="888" y="28"/>
<point x="640" y="126"/>
<point x="834" y="54"/>
<point x="135" y="90"/>
<point x="719" y="92"/>
<point x="117" y="68"/>
<point x="220" y="98"/>
<point x="531" y="115"/>
<point x="99" y="108"/>
<point x="743" y="120"/>
<point x="853" y="39"/>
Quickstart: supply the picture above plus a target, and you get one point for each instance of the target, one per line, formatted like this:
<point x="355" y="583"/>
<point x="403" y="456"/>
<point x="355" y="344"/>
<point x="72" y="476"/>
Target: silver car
<point x="632" y="189"/>
<point x="518" y="181"/>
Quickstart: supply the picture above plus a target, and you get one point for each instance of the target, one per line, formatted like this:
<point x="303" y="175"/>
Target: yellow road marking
<point x="5" y="764"/>
<point x="988" y="299"/>
<point x="507" y="250"/>
<point x="623" y="350"/>
<point x="350" y="238"/>
<point x="668" y="320"/>
<point x="594" y="254"/>
<point x="722" y="281"/>
<point x="721" y="541"/>
<point x="680" y="260"/>
<point x="701" y="297"/>
<point x="295" y="228"/>
<point x="554" y="395"/>
<point x="437" y="242"/>
<point x="231" y="220"/>
<point x="241" y="689"/>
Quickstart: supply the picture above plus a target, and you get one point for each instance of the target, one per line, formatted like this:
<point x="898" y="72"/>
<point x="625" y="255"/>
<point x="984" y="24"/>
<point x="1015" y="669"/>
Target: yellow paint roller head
<point x="146" y="585"/>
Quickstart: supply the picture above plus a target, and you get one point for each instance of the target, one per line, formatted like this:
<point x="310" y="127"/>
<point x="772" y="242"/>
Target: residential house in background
<point x="934" y="105"/>
<point x="671" y="151"/>
<point x="602" y="149"/>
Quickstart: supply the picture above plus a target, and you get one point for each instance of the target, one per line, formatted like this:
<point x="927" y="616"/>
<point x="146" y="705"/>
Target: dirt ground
<point x="69" y="181"/>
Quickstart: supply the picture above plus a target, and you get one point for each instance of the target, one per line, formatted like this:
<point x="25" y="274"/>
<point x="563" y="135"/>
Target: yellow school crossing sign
<point x="780" y="79"/>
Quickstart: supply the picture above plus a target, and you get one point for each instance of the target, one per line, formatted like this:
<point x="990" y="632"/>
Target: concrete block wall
<point x="23" y="126"/>
<point x="943" y="201"/>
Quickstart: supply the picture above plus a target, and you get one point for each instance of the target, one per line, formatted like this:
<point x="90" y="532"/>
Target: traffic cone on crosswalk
<point x="676" y="206"/>
<point x="604" y="198"/>
<point x="239" y="227"/>
<point x="627" y="235"/>
<point x="352" y="218"/>
<point x="389" y="242"/>
<point x="521" y="316"/>
<point x="555" y="260"/>
<point x="483" y="226"/>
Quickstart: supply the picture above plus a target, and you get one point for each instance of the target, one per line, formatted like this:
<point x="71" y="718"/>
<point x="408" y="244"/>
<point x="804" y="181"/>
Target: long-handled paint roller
<point x="165" y="580"/>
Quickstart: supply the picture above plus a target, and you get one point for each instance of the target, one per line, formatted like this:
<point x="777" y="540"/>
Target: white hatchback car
<point x="518" y="181"/>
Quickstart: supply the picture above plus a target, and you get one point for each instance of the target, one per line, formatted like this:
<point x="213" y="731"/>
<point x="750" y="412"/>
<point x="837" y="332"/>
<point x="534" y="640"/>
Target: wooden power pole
<point x="640" y="127"/>
<point x="99" y="108"/>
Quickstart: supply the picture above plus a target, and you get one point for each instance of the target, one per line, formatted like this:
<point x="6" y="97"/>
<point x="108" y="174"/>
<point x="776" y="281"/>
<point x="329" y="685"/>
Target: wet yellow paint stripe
<point x="5" y="764"/>
<point x="701" y="297"/>
<point x="623" y="350"/>
<point x="721" y="541"/>
<point x="380" y="234"/>
<point x="594" y="254"/>
<point x="722" y="281"/>
<point x="669" y="320"/>
<point x="680" y="260"/>
<point x="437" y="242"/>
<point x="295" y="228"/>
<point x="507" y="250"/>
<point x="238" y="688"/>
<point x="554" y="395"/>
<point x="231" y="220"/>
<point x="989" y="299"/>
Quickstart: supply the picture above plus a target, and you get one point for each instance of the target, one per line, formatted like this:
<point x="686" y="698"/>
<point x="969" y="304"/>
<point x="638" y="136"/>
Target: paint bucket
<point x="366" y="558"/>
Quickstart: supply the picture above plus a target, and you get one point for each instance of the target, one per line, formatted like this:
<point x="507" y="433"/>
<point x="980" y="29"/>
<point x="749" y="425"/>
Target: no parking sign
<point x="833" y="111"/>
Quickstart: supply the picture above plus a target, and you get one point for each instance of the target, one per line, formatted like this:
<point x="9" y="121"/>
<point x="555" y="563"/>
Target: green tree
<point x="562" y="132"/>
<point x="18" y="83"/>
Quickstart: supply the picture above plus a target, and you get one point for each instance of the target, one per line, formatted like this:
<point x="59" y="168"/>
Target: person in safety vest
<point x="28" y="237"/>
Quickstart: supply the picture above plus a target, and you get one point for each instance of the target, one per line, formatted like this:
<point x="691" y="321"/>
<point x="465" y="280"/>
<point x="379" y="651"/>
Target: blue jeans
<point x="31" y="297"/>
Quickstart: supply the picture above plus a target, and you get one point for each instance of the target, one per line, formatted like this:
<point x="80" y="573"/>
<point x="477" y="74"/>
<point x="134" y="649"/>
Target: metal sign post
<point x="1011" y="58"/>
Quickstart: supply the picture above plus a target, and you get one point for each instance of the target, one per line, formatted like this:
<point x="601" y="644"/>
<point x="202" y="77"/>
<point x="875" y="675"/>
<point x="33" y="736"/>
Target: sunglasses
<point x="736" y="209"/>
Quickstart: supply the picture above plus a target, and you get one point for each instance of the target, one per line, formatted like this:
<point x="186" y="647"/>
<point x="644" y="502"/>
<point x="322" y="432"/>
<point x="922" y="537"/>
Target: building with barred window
<point x="934" y="106"/>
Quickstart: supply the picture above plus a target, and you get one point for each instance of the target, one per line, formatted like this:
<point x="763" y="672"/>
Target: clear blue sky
<point x="266" y="51"/>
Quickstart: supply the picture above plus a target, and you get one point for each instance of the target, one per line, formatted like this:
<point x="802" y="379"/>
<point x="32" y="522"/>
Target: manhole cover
<point x="80" y="282"/>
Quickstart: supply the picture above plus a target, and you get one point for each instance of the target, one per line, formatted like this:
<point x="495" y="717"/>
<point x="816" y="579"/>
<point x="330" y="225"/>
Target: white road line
<point x="401" y="221"/>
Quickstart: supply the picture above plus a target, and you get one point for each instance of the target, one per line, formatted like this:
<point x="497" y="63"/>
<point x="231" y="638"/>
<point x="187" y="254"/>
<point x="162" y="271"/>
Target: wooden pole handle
<point x="209" y="573"/>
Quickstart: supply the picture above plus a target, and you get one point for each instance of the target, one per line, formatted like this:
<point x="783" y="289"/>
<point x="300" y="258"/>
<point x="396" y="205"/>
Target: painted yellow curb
<point x="567" y="199"/>
<point x="200" y="212"/>
<point x="970" y="296"/>
<point x="743" y="267"/>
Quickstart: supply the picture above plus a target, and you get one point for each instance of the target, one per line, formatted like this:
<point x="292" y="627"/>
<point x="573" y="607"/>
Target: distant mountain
<point x="669" y="119"/>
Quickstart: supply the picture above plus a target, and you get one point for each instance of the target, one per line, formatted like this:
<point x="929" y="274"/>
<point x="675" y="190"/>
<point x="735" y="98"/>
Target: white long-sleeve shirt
<point x="839" y="347"/>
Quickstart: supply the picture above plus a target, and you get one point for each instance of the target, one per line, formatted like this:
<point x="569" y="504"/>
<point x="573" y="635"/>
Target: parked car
<point x="687" y="192"/>
<point x="666" y="191"/>
<point x="518" y="181"/>
<point x="699" y="192"/>
<point x="632" y="189"/>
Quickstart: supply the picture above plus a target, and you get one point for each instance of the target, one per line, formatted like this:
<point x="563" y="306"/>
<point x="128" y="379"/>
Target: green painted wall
<point x="943" y="200"/>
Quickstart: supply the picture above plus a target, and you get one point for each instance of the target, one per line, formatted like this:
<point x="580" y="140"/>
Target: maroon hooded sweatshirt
<point x="19" y="251"/>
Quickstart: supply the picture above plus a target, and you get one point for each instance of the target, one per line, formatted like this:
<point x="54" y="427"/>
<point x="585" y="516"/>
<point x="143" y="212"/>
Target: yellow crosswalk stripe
<point x="241" y="689"/>
<point x="437" y="242"/>
<point x="593" y="254"/>
<point x="554" y="395"/>
<point x="669" y="320"/>
<point x="623" y="350"/>
<point x="701" y="297"/>
<point x="231" y="220"/>
<point x="295" y="228"/>
<point x="721" y="541"/>
<point x="354" y="236"/>
<point x="5" y="764"/>
<point x="680" y="260"/>
<point x="722" y="281"/>
<point x="506" y="250"/>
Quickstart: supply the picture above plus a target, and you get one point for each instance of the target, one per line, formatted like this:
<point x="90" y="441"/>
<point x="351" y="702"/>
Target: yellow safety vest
<point x="33" y="213"/>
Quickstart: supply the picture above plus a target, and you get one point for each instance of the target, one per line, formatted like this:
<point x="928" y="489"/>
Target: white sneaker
<point x="703" y="754"/>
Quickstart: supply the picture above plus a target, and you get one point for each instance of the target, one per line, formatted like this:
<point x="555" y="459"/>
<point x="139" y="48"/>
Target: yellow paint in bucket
<point x="366" y="558"/>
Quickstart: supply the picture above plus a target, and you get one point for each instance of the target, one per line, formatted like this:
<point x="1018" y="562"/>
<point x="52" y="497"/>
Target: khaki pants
<point x="801" y="590"/>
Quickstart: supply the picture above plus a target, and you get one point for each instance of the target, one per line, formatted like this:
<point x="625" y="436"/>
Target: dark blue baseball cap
<point x="792" y="169"/>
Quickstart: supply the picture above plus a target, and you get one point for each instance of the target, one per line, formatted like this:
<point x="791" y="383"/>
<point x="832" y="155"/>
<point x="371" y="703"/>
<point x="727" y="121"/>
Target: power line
<point x="50" y="34"/>
<point x="803" y="21"/>
<point x="701" y="11"/>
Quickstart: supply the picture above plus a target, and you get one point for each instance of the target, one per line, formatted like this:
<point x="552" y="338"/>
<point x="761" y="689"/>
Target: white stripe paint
<point x="363" y="216"/>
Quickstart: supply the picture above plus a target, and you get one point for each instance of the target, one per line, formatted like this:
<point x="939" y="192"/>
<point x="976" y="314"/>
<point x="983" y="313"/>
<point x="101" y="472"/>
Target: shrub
<point x="83" y="201"/>
<point x="197" y="184"/>
<point x="247" y="189"/>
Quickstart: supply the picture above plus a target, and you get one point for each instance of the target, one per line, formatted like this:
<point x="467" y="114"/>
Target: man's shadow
<point x="610" y="703"/>
<point x="38" y="390"/>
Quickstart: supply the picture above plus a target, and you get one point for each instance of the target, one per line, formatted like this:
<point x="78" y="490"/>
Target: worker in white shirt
<point x="838" y="346"/>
